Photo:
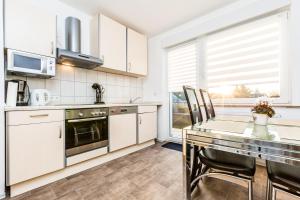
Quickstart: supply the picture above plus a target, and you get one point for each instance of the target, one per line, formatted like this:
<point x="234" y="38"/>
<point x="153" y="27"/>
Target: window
<point x="182" y="66"/>
<point x="248" y="61"/>
<point x="182" y="70"/>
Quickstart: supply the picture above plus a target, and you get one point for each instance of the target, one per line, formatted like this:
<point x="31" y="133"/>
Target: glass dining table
<point x="278" y="141"/>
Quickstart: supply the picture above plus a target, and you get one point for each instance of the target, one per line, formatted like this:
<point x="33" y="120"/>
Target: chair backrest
<point x="207" y="103"/>
<point x="193" y="104"/>
<point x="283" y="171"/>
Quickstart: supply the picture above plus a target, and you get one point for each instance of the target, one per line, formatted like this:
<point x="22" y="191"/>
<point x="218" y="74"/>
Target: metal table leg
<point x="186" y="170"/>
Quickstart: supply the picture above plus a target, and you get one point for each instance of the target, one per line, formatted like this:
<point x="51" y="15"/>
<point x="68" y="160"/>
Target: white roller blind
<point x="246" y="55"/>
<point x="182" y="63"/>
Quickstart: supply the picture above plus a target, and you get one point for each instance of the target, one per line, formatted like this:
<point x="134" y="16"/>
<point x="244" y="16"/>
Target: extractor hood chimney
<point x="72" y="54"/>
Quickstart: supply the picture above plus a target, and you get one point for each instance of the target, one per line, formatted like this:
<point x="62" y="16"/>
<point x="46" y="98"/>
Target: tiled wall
<point x="74" y="86"/>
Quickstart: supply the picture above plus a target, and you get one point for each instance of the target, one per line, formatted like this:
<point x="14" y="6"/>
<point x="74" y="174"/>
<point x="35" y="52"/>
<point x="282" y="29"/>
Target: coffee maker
<point x="21" y="92"/>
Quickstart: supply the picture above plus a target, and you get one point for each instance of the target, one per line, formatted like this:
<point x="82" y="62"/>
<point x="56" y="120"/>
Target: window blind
<point x="248" y="54"/>
<point x="182" y="63"/>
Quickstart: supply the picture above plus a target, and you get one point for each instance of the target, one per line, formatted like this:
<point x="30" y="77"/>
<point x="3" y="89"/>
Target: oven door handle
<point x="85" y="120"/>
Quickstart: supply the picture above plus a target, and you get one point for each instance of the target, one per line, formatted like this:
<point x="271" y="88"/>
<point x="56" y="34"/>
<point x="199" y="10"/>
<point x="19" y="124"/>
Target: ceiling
<point x="150" y="17"/>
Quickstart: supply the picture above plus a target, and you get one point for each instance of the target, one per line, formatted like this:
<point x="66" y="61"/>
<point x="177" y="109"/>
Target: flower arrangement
<point x="263" y="107"/>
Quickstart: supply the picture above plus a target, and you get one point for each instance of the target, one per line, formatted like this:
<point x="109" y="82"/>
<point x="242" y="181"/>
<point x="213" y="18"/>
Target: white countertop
<point x="74" y="106"/>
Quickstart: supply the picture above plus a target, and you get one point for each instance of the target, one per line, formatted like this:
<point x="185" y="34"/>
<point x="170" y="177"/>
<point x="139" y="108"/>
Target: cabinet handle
<point x="140" y="119"/>
<point x="102" y="58"/>
<point x="52" y="48"/>
<point x="60" y="132"/>
<point x="41" y="115"/>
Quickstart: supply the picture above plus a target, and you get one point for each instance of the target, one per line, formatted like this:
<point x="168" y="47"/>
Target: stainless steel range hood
<point x="72" y="54"/>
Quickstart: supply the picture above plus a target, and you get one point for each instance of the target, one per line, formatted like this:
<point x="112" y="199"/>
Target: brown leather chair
<point x="282" y="177"/>
<point x="212" y="161"/>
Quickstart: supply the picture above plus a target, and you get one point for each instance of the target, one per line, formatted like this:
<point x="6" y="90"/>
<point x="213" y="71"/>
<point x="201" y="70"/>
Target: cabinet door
<point x="112" y="44"/>
<point x="147" y="127"/>
<point x="136" y="52"/>
<point x="122" y="131"/>
<point x="34" y="150"/>
<point x="29" y="28"/>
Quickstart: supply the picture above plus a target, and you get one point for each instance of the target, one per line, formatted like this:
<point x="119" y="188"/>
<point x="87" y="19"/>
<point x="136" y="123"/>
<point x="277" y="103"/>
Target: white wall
<point x="155" y="85"/>
<point x="2" y="135"/>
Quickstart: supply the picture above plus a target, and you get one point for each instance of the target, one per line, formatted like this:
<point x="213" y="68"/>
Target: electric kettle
<point x="40" y="97"/>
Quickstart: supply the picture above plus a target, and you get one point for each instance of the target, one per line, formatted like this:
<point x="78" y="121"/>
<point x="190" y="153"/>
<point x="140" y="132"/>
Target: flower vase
<point x="260" y="119"/>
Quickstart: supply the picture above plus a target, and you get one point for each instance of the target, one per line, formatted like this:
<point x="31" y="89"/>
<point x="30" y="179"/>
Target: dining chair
<point x="196" y="117"/>
<point x="282" y="177"/>
<point x="207" y="103"/>
<point x="213" y="162"/>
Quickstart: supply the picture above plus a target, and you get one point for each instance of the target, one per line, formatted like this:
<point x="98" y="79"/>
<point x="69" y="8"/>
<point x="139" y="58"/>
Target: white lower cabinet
<point x="147" y="123"/>
<point x="34" y="149"/>
<point x="147" y="127"/>
<point x="122" y="131"/>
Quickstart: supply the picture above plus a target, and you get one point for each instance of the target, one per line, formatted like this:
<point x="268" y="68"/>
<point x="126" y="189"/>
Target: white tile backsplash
<point x="112" y="79"/>
<point x="36" y="83"/>
<point x="67" y="73"/>
<point x="80" y="89"/>
<point x="53" y="86"/>
<point x="90" y="92"/>
<point x="67" y="100"/>
<point x="91" y="76"/>
<point x="80" y="100"/>
<point x="80" y="75"/>
<point x="102" y="78"/>
<point x="126" y="81"/>
<point x="67" y="88"/>
<point x="74" y="86"/>
<point x="57" y="72"/>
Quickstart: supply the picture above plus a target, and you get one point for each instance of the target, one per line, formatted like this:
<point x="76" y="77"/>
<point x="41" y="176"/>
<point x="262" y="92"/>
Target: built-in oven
<point x="86" y="130"/>
<point x="24" y="63"/>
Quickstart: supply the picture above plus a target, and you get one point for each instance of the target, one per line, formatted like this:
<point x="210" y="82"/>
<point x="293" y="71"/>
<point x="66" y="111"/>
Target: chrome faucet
<point x="134" y="99"/>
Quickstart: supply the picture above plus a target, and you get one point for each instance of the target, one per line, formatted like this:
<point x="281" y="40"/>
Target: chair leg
<point x="274" y="193"/>
<point x="268" y="191"/>
<point x="250" y="189"/>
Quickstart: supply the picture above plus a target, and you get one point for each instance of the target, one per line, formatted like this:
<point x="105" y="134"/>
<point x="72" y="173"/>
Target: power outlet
<point x="55" y="98"/>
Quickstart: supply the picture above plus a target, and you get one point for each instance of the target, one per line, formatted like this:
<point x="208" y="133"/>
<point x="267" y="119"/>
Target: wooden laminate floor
<point x="154" y="173"/>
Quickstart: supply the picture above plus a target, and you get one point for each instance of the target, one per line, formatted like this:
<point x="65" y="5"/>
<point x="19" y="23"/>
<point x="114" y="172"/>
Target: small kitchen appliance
<point x="23" y="63"/>
<point x="40" y="97"/>
<point x="21" y="92"/>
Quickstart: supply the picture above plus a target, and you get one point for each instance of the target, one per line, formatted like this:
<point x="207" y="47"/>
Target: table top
<point x="243" y="130"/>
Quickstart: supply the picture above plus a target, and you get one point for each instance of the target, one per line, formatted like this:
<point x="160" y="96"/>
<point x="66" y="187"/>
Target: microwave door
<point x="27" y="64"/>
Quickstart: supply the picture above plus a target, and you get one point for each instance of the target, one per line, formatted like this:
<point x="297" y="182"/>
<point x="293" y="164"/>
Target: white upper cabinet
<point x="29" y="28"/>
<point x="112" y="43"/>
<point x="136" y="53"/>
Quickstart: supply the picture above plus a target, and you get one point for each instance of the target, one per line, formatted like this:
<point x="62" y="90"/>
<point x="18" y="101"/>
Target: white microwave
<point x="23" y="63"/>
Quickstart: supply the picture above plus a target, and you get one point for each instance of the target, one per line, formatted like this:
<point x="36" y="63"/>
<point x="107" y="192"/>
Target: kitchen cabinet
<point x="136" y="53"/>
<point x="122" y="131"/>
<point x="29" y="28"/>
<point x="147" y="123"/>
<point x="112" y="43"/>
<point x="34" y="147"/>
